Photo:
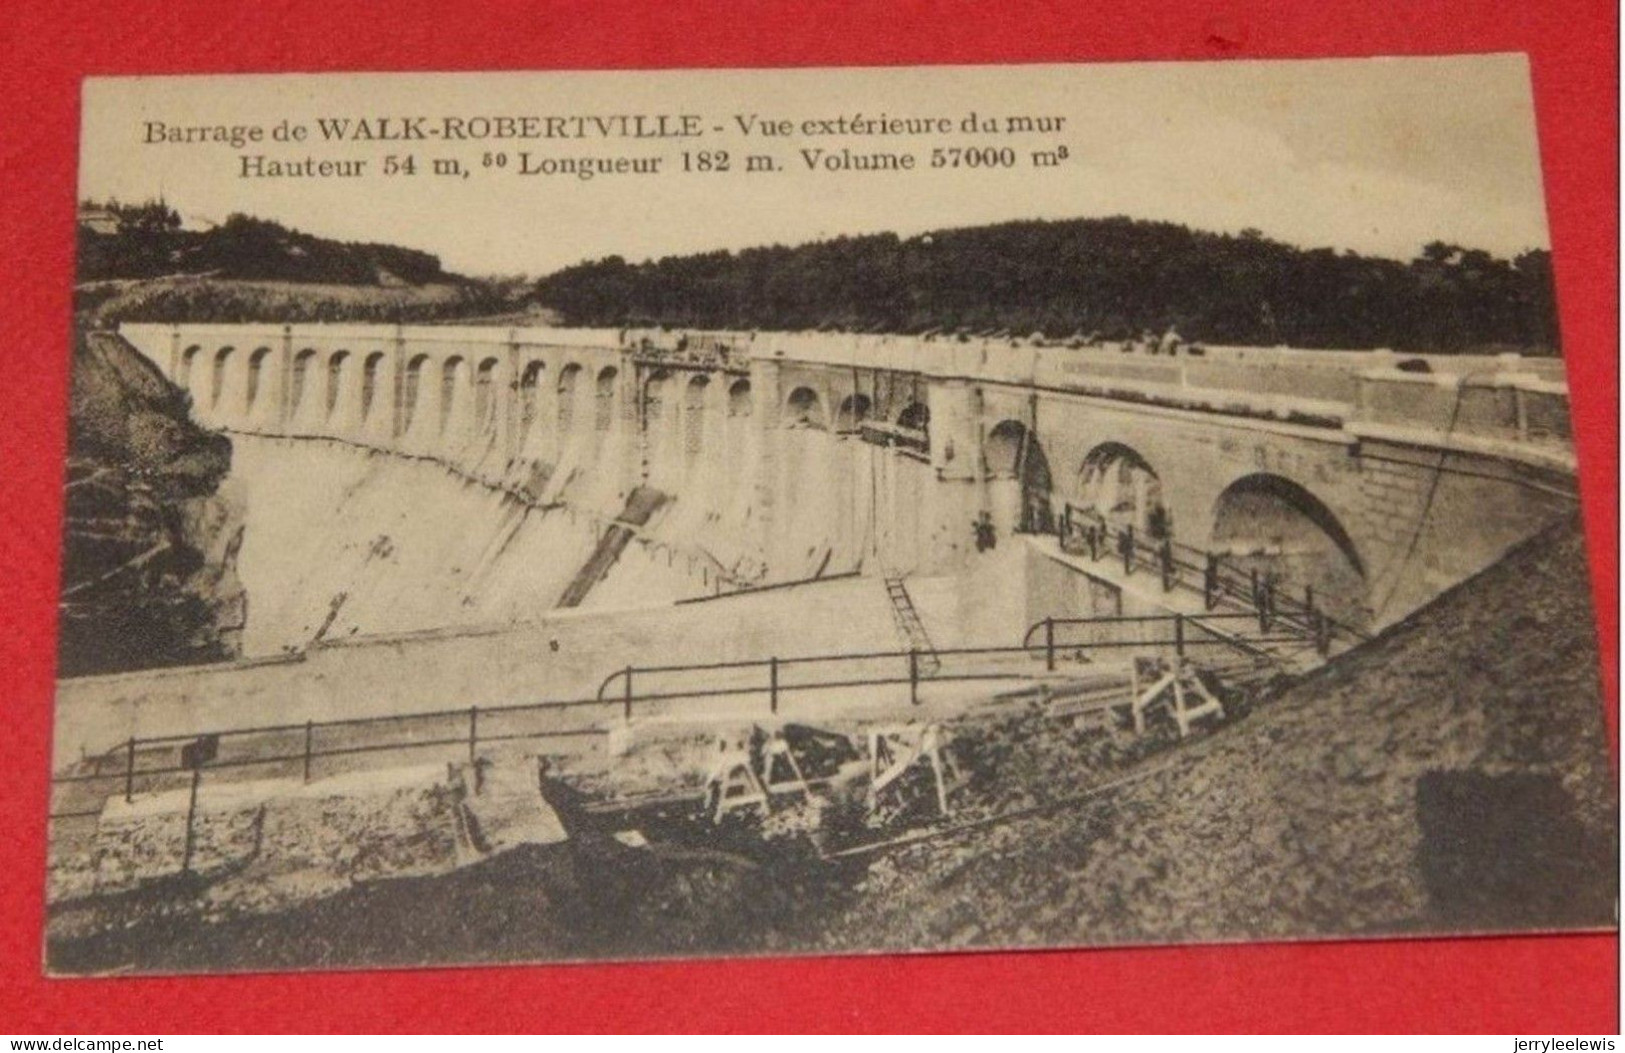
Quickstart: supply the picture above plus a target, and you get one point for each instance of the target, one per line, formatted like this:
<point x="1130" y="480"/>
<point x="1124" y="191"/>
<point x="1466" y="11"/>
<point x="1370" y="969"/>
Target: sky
<point x="1380" y="156"/>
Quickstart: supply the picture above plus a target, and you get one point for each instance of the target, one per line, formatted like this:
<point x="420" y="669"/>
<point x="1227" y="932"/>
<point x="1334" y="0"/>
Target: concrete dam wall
<point x="346" y="540"/>
<point x="783" y="456"/>
<point x="407" y="483"/>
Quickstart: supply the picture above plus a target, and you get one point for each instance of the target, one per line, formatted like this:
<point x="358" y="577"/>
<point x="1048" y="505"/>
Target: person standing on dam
<point x="986" y="536"/>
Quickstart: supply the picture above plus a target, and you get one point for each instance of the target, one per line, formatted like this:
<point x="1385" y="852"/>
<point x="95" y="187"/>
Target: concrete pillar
<point x="956" y="488"/>
<point x="511" y="437"/>
<point x="625" y="428"/>
<point x="284" y="367"/>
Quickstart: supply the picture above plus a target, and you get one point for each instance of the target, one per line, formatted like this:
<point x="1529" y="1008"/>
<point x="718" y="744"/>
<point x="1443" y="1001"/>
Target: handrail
<point x="1181" y="639"/>
<point x="1124" y="619"/>
<point x="1218" y="582"/>
<point x="910" y="671"/>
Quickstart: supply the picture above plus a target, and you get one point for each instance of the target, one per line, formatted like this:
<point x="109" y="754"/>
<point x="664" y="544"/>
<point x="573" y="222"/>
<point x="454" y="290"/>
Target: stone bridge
<point x="1380" y="479"/>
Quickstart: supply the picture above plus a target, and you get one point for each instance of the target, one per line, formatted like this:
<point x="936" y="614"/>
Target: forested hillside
<point x="1110" y="278"/>
<point x="138" y="263"/>
<point x="149" y="242"/>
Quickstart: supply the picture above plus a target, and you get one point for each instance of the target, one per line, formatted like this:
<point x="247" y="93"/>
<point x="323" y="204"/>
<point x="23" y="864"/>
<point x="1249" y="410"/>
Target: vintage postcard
<point x="551" y="516"/>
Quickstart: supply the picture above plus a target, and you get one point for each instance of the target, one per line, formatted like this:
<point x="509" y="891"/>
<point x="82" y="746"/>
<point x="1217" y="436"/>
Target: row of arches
<point x="322" y="385"/>
<point x="345" y="390"/>
<point x="1260" y="521"/>
<point x="690" y="418"/>
<point x="804" y="407"/>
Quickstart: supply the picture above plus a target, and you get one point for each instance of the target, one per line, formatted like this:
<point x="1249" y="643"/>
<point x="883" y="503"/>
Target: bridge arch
<point x="854" y="410"/>
<point x="804" y="409"/>
<point x="1117" y="483"/>
<point x="739" y="404"/>
<point x="915" y="415"/>
<point x="1269" y="523"/>
<point x="1013" y="454"/>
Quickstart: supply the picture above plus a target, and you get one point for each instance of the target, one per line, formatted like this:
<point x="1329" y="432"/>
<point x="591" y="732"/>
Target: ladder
<point x="909" y="627"/>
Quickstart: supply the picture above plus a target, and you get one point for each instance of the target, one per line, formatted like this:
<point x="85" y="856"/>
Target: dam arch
<point x="804" y="409"/>
<point x="217" y="376"/>
<point x="257" y="383"/>
<point x="853" y="411"/>
<point x="1271" y="524"/>
<point x="485" y="396"/>
<point x="530" y="393"/>
<point x="1016" y="462"/>
<point x="604" y="399"/>
<point x="187" y="368"/>
<point x="695" y="398"/>
<point x="299" y="384"/>
<point x="1119" y="484"/>
<point x="661" y="403"/>
<point x="916" y="416"/>
<point x="343" y="394"/>
<point x="452" y="371"/>
<point x="371" y="369"/>
<point x="566" y="389"/>
<point x="413" y="393"/>
<point x="337" y="365"/>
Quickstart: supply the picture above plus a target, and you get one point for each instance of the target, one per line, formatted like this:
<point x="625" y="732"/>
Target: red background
<point x="1532" y="984"/>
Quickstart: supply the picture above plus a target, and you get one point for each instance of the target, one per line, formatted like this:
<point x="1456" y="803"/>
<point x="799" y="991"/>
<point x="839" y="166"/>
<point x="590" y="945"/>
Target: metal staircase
<point x="909" y="627"/>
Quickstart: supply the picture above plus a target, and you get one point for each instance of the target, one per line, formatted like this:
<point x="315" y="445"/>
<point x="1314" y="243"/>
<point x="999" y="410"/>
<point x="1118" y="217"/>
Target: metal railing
<point x="1211" y="575"/>
<point x="774" y="677"/>
<point x="148" y="764"/>
<point x="1179" y="634"/>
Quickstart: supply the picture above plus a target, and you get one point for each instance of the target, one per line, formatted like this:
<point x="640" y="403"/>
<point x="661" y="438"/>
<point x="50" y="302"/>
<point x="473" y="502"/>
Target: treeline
<point x="1111" y="279"/>
<point x="189" y="299"/>
<point x="147" y="242"/>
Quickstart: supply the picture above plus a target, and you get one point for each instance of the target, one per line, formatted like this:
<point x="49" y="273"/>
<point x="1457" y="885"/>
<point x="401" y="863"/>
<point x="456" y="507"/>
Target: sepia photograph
<point x="544" y="517"/>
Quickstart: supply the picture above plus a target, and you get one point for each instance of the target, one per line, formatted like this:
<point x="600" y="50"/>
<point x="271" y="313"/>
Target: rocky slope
<point x="151" y="526"/>
<point x="1452" y="775"/>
